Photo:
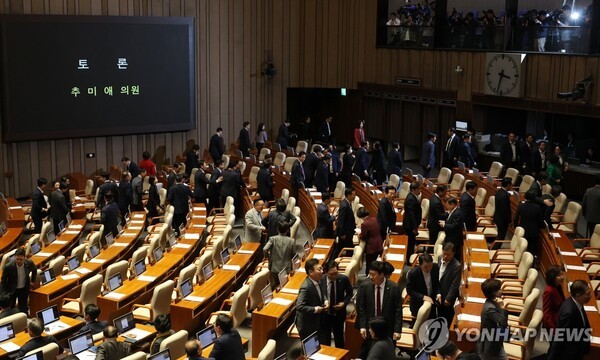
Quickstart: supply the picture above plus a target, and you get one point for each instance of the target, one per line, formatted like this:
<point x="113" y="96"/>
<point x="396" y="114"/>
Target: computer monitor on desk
<point x="115" y="282"/>
<point x="38" y="355"/>
<point x="73" y="263"/>
<point x="163" y="355"/>
<point x="310" y="345"/>
<point x="139" y="267"/>
<point x="267" y="294"/>
<point x="186" y="288"/>
<point x="48" y="276"/>
<point x="208" y="271"/>
<point x="225" y="255"/>
<point x="6" y="332"/>
<point x="283" y="278"/>
<point x="124" y="323"/>
<point x="206" y="336"/>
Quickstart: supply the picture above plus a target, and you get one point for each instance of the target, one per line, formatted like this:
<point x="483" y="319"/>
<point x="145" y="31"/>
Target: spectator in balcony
<point x="541" y="31"/>
<point x="489" y="29"/>
<point x="394" y="21"/>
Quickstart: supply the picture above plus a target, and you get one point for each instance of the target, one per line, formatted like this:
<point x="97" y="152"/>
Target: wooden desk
<point x="16" y="215"/>
<point x="267" y="321"/>
<point x="191" y="315"/>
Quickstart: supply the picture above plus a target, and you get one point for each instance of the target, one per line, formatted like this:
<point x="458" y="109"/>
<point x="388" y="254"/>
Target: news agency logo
<point x="433" y="334"/>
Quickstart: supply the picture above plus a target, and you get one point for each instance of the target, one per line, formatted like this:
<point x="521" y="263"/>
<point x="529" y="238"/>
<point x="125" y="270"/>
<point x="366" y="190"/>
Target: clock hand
<point x="500" y="77"/>
<point x="504" y="76"/>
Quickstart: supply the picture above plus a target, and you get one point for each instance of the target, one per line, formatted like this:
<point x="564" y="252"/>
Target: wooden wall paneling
<point x="102" y="161"/>
<point x="56" y="7"/>
<point x="212" y="40"/>
<point x="257" y="61"/>
<point x="118" y="149"/>
<point x="591" y="68"/>
<point x="369" y="14"/>
<point x="113" y="8"/>
<point x="332" y="47"/>
<point x="45" y="161"/>
<point x="23" y="173"/>
<point x="6" y="175"/>
<point x="16" y="7"/>
<point x="97" y="8"/>
<point x="310" y="10"/>
<point x="223" y="71"/>
<point x="360" y="51"/>
<point x="277" y="46"/>
<point x="71" y="7"/>
<point x="293" y="42"/>
<point x="236" y="63"/>
<point x="428" y="68"/>
<point x="463" y="79"/>
<point x="33" y="163"/>
<point x="37" y="7"/>
<point x="394" y="127"/>
<point x="320" y="42"/>
<point x="90" y="165"/>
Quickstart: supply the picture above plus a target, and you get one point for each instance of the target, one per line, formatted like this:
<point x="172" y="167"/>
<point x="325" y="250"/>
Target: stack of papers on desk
<point x="9" y="346"/>
<point x="289" y="291"/>
<point x="194" y="298"/>
<point x="281" y="301"/>
<point x="70" y="277"/>
<point x="476" y="300"/>
<point x="231" y="267"/>
<point x="183" y="246"/>
<point x="191" y="236"/>
<point x="319" y="246"/>
<point x="146" y="278"/>
<point x="138" y="216"/>
<point x="248" y="252"/>
<point x="97" y="261"/>
<point x="83" y="270"/>
<point x="114" y="295"/>
<point x="469" y="317"/>
<point x="397" y="246"/>
<point x="394" y="257"/>
<point x="475" y="237"/>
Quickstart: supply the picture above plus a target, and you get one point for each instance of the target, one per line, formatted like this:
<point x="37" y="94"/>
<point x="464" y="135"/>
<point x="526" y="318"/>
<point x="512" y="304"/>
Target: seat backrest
<point x="57" y="264"/>
<point x="116" y="268"/>
<point x="340" y="187"/>
<point x="289" y="163"/>
<point x="253" y="175"/>
<point x="6" y="257"/>
<point x="301" y="146"/>
<point x="46" y="227"/>
<point x="520" y="250"/>
<point x="573" y="212"/>
<point x="529" y="306"/>
<point x="226" y="236"/>
<point x="216" y="255"/>
<point x="90" y="290"/>
<point x="138" y="255"/>
<point x="225" y="159"/>
<point x="352" y="271"/>
<point x="457" y="182"/>
<point x="49" y="351"/>
<point x="394" y="181"/>
<point x="595" y="239"/>
<point x="294" y="229"/>
<point x="534" y="324"/>
<point x="175" y="343"/>
<point x="425" y="207"/>
<point x="19" y="321"/>
<point x="404" y="190"/>
<point x="480" y="196"/>
<point x="490" y="207"/>
<point x="89" y="187"/>
<point x="161" y="298"/>
<point x="162" y="195"/>
<point x="79" y="251"/>
<point x="444" y="175"/>
<point x="264" y="151"/>
<point x="560" y="202"/>
<point x="257" y="283"/>
<point x="513" y="174"/>
<point x="526" y="183"/>
<point x="94" y="239"/>
<point x="30" y="241"/>
<point x="279" y="159"/>
<point x="285" y="194"/>
<point x="204" y="259"/>
<point x="291" y="203"/>
<point x="422" y="315"/>
<point x="184" y="274"/>
<point x="546" y="189"/>
<point x="242" y="166"/>
<point x="514" y="240"/>
<point x="524" y="265"/>
<point x="146" y="182"/>
<point x="239" y="305"/>
<point x="140" y="355"/>
<point x="495" y="169"/>
<point x="530" y="282"/>
<point x="268" y="352"/>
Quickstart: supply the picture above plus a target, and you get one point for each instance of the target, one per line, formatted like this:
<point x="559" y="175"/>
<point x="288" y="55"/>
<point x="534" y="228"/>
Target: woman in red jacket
<point x="371" y="235"/>
<point x="359" y="134"/>
<point x="553" y="296"/>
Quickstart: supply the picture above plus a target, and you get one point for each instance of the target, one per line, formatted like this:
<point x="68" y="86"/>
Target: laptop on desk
<point x="163" y="355"/>
<point x="61" y="227"/>
<point x="238" y="243"/>
<point x="158" y="254"/>
<point x="36" y="247"/>
<point x="38" y="355"/>
<point x="82" y="346"/>
<point x="206" y="336"/>
<point x="3" y="229"/>
<point x="125" y="325"/>
<point x="109" y="238"/>
<point x="311" y="346"/>
<point x="51" y="319"/>
<point x="51" y="237"/>
<point x="6" y="332"/>
<point x="115" y="282"/>
<point x="225" y="255"/>
<point x="94" y="250"/>
<point x="120" y="230"/>
<point x="283" y="278"/>
<point x="69" y="219"/>
<point x="186" y="288"/>
<point x="48" y="276"/>
<point x="267" y="294"/>
<point x="296" y="262"/>
<point x="208" y="271"/>
<point x="73" y="263"/>
<point x="139" y="267"/>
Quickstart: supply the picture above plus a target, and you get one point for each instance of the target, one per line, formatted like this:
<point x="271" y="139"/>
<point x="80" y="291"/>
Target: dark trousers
<point x="412" y="241"/>
<point x="502" y="230"/>
<point x="426" y="172"/>
<point x="447" y="312"/>
<point x="37" y="224"/>
<point x="137" y="207"/>
<point x="336" y="324"/>
<point x="178" y="219"/>
<point x="21" y="296"/>
<point x="200" y="200"/>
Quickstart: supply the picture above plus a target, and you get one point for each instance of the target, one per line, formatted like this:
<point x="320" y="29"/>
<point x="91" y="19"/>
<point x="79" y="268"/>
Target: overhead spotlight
<point x="575" y="15"/>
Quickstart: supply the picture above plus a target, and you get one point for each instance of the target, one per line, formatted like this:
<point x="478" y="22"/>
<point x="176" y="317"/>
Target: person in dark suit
<point x="264" y="179"/>
<point x="346" y="224"/>
<point x="428" y="154"/>
<point x="228" y="345"/>
<point x="573" y="317"/>
<point x="509" y="153"/>
<point x="335" y="166"/>
<point x="361" y="165"/>
<point x="395" y="161"/>
<point x="216" y="147"/>
<point x="453" y="226"/>
<point x="106" y="186"/>
<point x="305" y="132"/>
<point x="377" y="165"/>
<point x="12" y="281"/>
<point x="153" y="204"/>
<point x="321" y="180"/>
<point x="179" y="196"/>
<point x="541" y="180"/>
<point x="58" y="206"/>
<point x="125" y="193"/>
<point x="192" y="158"/>
<point x="312" y="303"/>
<point x="502" y="214"/>
<point x="310" y="164"/>
<point x="348" y="162"/>
<point x="494" y="322"/>
<point x="39" y="207"/>
<point x="130" y="166"/>
<point x="540" y="159"/>
<point x="92" y="311"/>
<point x="283" y="135"/>
<point x="422" y="284"/>
<point x="553" y="296"/>
<point x="214" y="186"/>
<point x="280" y="249"/>
<point x="35" y="328"/>
<point x="200" y="183"/>
<point x="339" y="293"/>
<point x="371" y="235"/>
<point x="412" y="216"/>
<point x="378" y="296"/>
<point x="5" y="308"/>
<point x="529" y="216"/>
<point x="467" y="206"/>
<point x="109" y="215"/>
<point x="464" y="152"/>
<point x="298" y="176"/>
<point x="548" y="204"/>
<point x="137" y="185"/>
<point x="451" y="149"/>
<point x="162" y="324"/>
<point x="111" y="348"/>
<point x="436" y="213"/>
<point x="325" y="133"/>
<point x="177" y="169"/>
<point x="590" y="206"/>
<point x="244" y="139"/>
<point x="526" y="155"/>
<point x="386" y="216"/>
<point x="325" y="219"/>
<point x="232" y="183"/>
<point x="450" y="272"/>
<point x="193" y="350"/>
<point x="383" y="347"/>
<point x="272" y="220"/>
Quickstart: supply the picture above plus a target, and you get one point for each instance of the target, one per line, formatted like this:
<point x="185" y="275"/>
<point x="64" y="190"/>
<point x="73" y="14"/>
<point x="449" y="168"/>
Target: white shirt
<point x="443" y="267"/>
<point x="395" y="22"/>
<point x="381" y="296"/>
<point x="513" y="146"/>
<point x="21" y="276"/>
<point x="543" y="156"/>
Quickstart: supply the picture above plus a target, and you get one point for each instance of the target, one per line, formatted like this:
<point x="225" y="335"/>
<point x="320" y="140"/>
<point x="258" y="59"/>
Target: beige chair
<point x="264" y="151"/>
<point x="46" y="228"/>
<point x="291" y="203"/>
<point x="226" y="160"/>
<point x="257" y="282"/>
<point x="238" y="307"/>
<point x="90" y="290"/>
<point x="140" y="254"/>
<point x="49" y="351"/>
<point x="268" y="352"/>
<point x="32" y="240"/>
<point x="140" y="355"/>
<point x="522" y="350"/>
<point x="423" y="234"/>
<point x="570" y="218"/>
<point x="253" y="176"/>
<point x="495" y="169"/>
<point x="517" y="286"/>
<point x="457" y="183"/>
<point x="526" y="314"/>
<point x="159" y="304"/>
<point x="559" y="203"/>
<point x="443" y="177"/>
<point x="176" y="344"/>
<point x="120" y="267"/>
<point x="301" y="146"/>
<point x="296" y="225"/>
<point x="279" y="159"/>
<point x="546" y="189"/>
<point x="352" y="271"/>
<point x="503" y="256"/>
<point x="217" y="247"/>
<point x="480" y="197"/>
<point x="57" y="264"/>
<point x="285" y="194"/>
<point x="6" y="258"/>
<point x="338" y="192"/>
<point x="513" y="174"/>
<point x="511" y="270"/>
<point x="591" y="252"/>
<point x="514" y="302"/>
<point x="485" y="221"/>
<point x="513" y="242"/>
<point x="394" y="181"/>
<point x="79" y="251"/>
<point x="162" y="195"/>
<point x="187" y="272"/>
<point x="409" y="338"/>
<point x="289" y="163"/>
<point x="19" y="321"/>
<point x="202" y="261"/>
<point x="526" y="183"/>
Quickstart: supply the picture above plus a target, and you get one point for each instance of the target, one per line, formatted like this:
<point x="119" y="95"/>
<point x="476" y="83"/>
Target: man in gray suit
<point x="137" y="185"/>
<point x="280" y="251"/>
<point x="449" y="282"/>
<point x="253" y="222"/>
<point x="111" y="349"/>
<point x="591" y="206"/>
<point x="312" y="302"/>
